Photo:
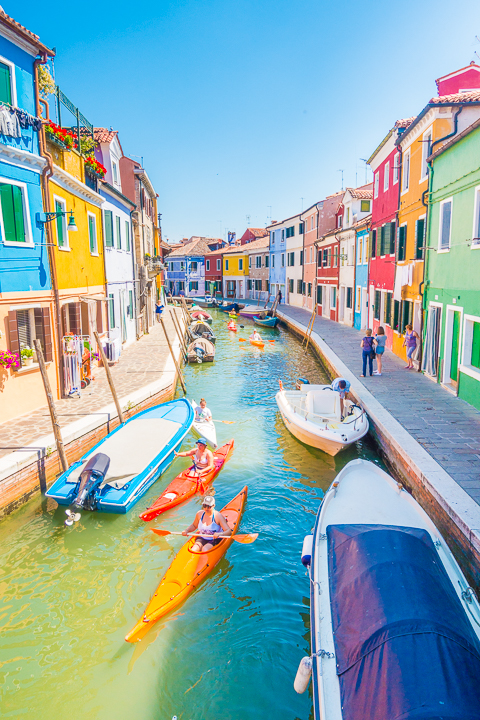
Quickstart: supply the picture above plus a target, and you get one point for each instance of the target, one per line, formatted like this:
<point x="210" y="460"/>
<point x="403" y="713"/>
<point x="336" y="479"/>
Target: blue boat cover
<point x="404" y="646"/>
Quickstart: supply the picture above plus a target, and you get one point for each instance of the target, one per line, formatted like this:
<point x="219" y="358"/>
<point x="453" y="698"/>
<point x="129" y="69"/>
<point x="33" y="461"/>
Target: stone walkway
<point x="447" y="427"/>
<point x="140" y="364"/>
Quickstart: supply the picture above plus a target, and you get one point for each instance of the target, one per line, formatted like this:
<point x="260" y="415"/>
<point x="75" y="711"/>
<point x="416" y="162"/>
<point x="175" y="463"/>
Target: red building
<point x="385" y="164"/>
<point x="328" y="246"/>
<point x="252" y="234"/>
<point x="213" y="272"/>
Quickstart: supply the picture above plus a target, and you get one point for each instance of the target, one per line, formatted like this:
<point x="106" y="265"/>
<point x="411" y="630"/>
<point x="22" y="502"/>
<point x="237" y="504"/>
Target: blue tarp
<point x="404" y="647"/>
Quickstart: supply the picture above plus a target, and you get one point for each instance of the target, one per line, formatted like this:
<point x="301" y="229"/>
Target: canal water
<point x="68" y="596"/>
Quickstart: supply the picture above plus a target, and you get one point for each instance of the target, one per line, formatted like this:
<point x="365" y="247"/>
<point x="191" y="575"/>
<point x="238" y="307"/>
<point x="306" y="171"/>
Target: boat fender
<point x="307" y="551"/>
<point x="303" y="675"/>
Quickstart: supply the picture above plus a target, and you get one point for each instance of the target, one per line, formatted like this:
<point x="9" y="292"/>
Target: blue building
<point x="360" y="317"/>
<point x="277" y="247"/>
<point x="186" y="269"/>
<point x="26" y="299"/>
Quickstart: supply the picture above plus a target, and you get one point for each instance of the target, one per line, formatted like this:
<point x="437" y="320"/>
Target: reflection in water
<point x="69" y="596"/>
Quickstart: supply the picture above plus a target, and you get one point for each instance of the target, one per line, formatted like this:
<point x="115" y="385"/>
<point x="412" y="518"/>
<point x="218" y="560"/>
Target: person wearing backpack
<point x="368" y="352"/>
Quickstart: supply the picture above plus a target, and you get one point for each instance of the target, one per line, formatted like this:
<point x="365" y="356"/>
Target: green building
<point x="452" y="267"/>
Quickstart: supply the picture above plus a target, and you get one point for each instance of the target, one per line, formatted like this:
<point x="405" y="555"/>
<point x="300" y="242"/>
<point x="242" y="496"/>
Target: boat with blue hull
<point x="120" y="469"/>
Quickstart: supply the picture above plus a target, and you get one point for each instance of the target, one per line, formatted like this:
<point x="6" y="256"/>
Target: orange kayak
<point x="257" y="343"/>
<point x="186" y="485"/>
<point x="187" y="570"/>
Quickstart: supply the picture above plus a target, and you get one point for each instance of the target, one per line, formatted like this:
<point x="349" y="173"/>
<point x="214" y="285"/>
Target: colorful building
<point x="26" y="298"/>
<point x="235" y="272"/>
<point x="362" y="234"/>
<point x="452" y="267"/>
<point x="442" y="118"/>
<point x="384" y="310"/>
<point x="258" y="254"/>
<point x="118" y="241"/>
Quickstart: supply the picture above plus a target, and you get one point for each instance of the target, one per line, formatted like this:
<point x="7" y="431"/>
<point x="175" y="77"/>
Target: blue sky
<point x="238" y="106"/>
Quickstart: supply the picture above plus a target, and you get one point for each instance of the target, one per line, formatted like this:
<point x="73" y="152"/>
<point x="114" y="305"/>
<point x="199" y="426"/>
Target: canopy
<point x="404" y="647"/>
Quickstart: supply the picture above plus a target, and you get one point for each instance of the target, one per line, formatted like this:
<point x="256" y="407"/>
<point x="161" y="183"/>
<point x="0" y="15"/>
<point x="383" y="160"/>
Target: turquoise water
<point x="69" y="596"/>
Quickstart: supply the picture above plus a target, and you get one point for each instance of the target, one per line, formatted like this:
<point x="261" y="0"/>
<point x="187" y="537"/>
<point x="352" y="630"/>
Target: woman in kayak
<point x="210" y="523"/>
<point x="202" y="457"/>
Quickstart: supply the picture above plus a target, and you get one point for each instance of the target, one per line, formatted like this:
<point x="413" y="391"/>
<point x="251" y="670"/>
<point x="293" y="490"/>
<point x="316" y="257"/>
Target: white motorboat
<point x="205" y="429"/>
<point x="395" y="627"/>
<point x="313" y="415"/>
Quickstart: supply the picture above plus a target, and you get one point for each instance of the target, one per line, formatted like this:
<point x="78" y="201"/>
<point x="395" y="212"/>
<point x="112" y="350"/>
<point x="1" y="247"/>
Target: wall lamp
<point x="50" y="216"/>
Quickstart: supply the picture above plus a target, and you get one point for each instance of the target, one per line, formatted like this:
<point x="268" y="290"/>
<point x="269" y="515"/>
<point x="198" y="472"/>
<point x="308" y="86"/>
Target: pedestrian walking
<point x="368" y="352"/>
<point x="410" y="342"/>
<point x="380" y="340"/>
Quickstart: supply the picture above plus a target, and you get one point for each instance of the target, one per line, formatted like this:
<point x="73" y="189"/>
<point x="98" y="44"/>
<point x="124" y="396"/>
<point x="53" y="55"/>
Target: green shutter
<point x="475" y="361"/>
<point x="127" y="236"/>
<point x="119" y="232"/>
<point x="108" y="228"/>
<point x="420" y="231"/>
<point x="91" y="234"/>
<point x="5" y="84"/>
<point x="11" y="199"/>
<point x="59" y="224"/>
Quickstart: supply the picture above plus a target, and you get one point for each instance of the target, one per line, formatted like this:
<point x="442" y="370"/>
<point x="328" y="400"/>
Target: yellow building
<point x="235" y="271"/>
<point x="442" y="118"/>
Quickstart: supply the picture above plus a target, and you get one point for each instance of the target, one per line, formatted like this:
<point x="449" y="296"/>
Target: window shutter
<point x="108" y="228"/>
<point x="47" y="334"/>
<point x="14" y="343"/>
<point x="5" y="84"/>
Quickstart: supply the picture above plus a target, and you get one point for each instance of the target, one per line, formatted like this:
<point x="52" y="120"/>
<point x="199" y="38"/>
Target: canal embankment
<point x="144" y="376"/>
<point x="428" y="438"/>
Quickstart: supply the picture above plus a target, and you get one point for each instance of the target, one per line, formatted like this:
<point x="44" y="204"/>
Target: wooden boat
<point x="200" y="329"/>
<point x="201" y="315"/>
<point x="395" y="627"/>
<point x="313" y="415"/>
<point x="136" y="453"/>
<point x="188" y="570"/>
<point x="205" y="429"/>
<point x="187" y="484"/>
<point x="201" y="350"/>
<point x="265" y="321"/>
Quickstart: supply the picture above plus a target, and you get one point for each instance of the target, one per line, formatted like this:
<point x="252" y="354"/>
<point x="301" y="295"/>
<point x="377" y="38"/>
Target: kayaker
<point x="341" y="386"/>
<point x="255" y="336"/>
<point x="210" y="523"/>
<point x="202" y="413"/>
<point x="202" y="457"/>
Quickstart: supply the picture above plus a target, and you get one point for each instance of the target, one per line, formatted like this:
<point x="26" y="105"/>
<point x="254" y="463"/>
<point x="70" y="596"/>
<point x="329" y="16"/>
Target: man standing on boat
<point x="341" y="386"/>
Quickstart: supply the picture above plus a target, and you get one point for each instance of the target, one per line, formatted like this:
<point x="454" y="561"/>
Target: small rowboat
<point x="257" y="343"/>
<point x="395" y="627"/>
<point x="201" y="315"/>
<point x="205" y="429"/>
<point x="265" y="321"/>
<point x="187" y="484"/>
<point x="188" y="570"/>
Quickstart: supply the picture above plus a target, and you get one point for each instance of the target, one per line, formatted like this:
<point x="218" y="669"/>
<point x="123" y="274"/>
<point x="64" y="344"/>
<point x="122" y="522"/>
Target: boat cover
<point x="404" y="646"/>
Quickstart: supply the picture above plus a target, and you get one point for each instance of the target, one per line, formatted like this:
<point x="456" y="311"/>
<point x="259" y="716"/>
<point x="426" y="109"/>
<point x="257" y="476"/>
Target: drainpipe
<point x="47" y="173"/>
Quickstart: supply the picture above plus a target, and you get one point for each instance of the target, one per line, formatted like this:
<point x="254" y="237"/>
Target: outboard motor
<point x="93" y="475"/>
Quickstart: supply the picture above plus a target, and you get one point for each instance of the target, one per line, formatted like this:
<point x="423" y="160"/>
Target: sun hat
<point x="209" y="500"/>
<point x="201" y="441"/>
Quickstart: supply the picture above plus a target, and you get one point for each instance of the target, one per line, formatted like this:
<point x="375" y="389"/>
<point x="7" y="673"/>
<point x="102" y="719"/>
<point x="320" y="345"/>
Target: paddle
<point x="245" y="539"/>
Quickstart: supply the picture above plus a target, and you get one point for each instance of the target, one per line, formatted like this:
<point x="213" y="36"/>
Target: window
<point x="406" y="172"/>
<point x="92" y="233"/>
<point x="319" y="294"/>
<point x="325" y="258"/>
<point x="349" y="297"/>
<point x="376" y="182"/>
<point x="15" y="225"/>
<point x="309" y="289"/>
<point x="290" y="285"/>
<point x="299" y="287"/>
<point x="402" y="242"/>
<point x="194" y="285"/>
<point x="426" y="150"/>
<point x="333" y="298"/>
<point x="373" y="244"/>
<point x="111" y="311"/>
<point x="226" y="264"/>
<point x="396" y="315"/>
<point x="266" y="261"/>
<point x="419" y="238"/>
<point x="258" y="261"/>
<point x="127" y="236"/>
<point x="376" y="306"/>
<point x="301" y="228"/>
<point x="61" y="223"/>
<point x="108" y="221"/>
<point x="283" y="260"/>
<point x="130" y="304"/>
<point x="358" y="299"/>
<point x="364" y="205"/>
<point x="119" y="232"/>
<point x="445" y="225"/>
<point x="193" y="266"/>
<point x="240" y="263"/>
<point x="207" y="264"/>
<point x="396" y="167"/>
<point x="7" y="83"/>
<point x="301" y="257"/>
<point x="290" y="231"/>
<point x="388" y="308"/>
<point x="219" y="264"/>
<point x="386" y="176"/>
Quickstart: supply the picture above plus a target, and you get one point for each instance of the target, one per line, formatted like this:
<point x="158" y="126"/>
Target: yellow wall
<point x="233" y="264"/>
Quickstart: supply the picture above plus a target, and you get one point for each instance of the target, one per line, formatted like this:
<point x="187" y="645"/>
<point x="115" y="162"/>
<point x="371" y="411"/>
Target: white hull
<point x="206" y="430"/>
<point x="362" y="494"/>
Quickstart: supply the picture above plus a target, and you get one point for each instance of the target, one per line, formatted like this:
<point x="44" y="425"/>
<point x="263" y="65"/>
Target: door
<point x="455" y="349"/>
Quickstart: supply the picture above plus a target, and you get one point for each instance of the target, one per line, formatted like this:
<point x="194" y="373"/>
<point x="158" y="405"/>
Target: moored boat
<point x="201" y="350"/>
<point x="187" y="484"/>
<point x="205" y="429"/>
<point x="200" y="329"/>
<point x="395" y="628"/>
<point x="313" y="415"/>
<point x="118" y="470"/>
<point x="188" y="570"/>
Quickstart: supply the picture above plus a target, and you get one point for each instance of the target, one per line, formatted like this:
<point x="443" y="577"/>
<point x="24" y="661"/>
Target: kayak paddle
<point x="245" y="539"/>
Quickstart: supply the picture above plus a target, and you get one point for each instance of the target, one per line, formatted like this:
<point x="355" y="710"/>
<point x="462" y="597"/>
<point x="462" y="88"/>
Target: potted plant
<point x="27" y="356"/>
<point x="8" y="359"/>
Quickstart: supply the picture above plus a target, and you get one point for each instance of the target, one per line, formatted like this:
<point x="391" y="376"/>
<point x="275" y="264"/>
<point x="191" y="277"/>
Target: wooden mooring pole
<point x="180" y="377"/>
<point x="51" y="406"/>
<point x="109" y="377"/>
